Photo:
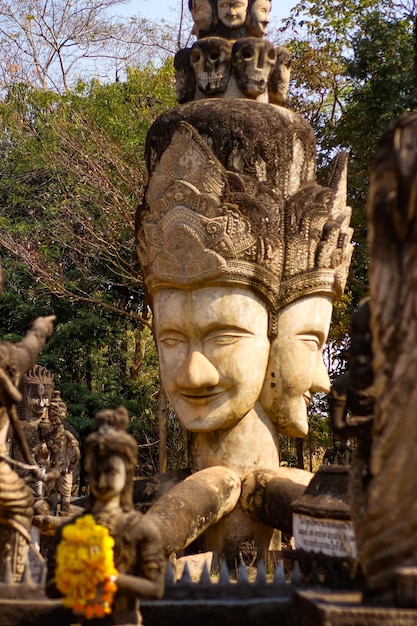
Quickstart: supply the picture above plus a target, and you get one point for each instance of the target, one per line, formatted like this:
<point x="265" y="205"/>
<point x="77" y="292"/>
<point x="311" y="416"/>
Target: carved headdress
<point x="222" y="209"/>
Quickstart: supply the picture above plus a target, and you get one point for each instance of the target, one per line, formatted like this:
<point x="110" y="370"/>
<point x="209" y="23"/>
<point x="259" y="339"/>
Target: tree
<point x="72" y="174"/>
<point x="73" y="167"/>
<point x="52" y="44"/>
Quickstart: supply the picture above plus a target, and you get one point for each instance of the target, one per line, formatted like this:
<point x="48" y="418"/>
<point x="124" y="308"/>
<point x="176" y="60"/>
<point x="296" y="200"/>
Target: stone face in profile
<point x="280" y="78"/>
<point x="258" y="18"/>
<point x="296" y="369"/>
<point x="213" y="348"/>
<point x="202" y="14"/>
<point x="184" y="76"/>
<point x="211" y="61"/>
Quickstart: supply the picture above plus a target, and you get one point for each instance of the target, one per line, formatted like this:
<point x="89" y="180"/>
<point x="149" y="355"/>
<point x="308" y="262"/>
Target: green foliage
<point x="72" y="175"/>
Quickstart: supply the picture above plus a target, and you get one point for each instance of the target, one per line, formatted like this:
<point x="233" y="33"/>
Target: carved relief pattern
<point x="202" y="222"/>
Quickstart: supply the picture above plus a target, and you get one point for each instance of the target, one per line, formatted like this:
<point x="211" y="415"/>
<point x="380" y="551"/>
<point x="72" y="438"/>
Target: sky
<point x="165" y="9"/>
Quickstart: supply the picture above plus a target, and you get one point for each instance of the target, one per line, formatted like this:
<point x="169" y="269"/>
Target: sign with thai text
<point x="331" y="537"/>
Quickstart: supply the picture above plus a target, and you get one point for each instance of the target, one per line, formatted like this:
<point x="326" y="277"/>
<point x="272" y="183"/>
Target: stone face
<point x="211" y="61"/>
<point x="258" y="17"/>
<point x="295" y="368"/>
<point x="254" y="61"/>
<point x="202" y="14"/>
<point x="280" y="78"/>
<point x="232" y="13"/>
<point x="213" y="348"/>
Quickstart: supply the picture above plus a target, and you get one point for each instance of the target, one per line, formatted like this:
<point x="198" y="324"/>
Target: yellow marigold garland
<point x="85" y="572"/>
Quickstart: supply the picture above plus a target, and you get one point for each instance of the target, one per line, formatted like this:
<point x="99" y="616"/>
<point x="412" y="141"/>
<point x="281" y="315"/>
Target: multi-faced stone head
<point x="258" y="18"/>
<point x="210" y="59"/>
<point x="254" y="61"/>
<point x="280" y="77"/>
<point x="238" y="278"/>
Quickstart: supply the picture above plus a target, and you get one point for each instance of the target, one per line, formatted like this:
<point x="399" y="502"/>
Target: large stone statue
<point x="16" y="498"/>
<point x="135" y="549"/>
<point x="243" y="254"/>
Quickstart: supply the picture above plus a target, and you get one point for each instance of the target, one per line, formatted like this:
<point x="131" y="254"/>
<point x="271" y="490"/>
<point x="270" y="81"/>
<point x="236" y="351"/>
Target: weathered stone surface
<point x="192" y="506"/>
<point x="268" y="496"/>
<point x="385" y="479"/>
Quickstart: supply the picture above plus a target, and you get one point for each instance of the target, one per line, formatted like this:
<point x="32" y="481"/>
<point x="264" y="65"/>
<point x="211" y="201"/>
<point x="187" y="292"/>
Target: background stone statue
<point x="58" y="452"/>
<point x="36" y="386"/>
<point x="16" y="498"/>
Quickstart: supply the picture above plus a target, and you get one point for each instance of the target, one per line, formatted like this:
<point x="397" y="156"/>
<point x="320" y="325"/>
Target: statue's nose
<point x="197" y="371"/>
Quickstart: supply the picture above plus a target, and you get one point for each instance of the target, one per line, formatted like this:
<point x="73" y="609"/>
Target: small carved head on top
<point x="280" y="78"/>
<point x="211" y="61"/>
<point x="258" y="18"/>
<point x="232" y="13"/>
<point x="254" y="61"/>
<point x="204" y="15"/>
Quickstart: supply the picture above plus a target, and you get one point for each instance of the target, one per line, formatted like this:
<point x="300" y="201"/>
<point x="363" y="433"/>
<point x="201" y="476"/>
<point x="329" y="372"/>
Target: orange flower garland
<point x="85" y="571"/>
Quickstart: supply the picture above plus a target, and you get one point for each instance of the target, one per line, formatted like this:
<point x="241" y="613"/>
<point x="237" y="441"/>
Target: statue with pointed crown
<point x="243" y="254"/>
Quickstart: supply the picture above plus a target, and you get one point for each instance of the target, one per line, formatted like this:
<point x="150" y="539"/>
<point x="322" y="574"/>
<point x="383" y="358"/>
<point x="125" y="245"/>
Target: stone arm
<point x="190" y="507"/>
<point x="15" y="360"/>
<point x="148" y="580"/>
<point x="26" y="352"/>
<point x="267" y="495"/>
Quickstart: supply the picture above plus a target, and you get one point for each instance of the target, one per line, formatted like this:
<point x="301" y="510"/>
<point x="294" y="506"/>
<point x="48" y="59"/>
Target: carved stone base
<point x="347" y="609"/>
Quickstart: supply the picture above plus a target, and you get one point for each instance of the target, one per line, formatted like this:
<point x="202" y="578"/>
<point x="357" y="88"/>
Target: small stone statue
<point x="110" y="460"/>
<point x="58" y="452"/>
<point x="36" y="386"/>
<point x="16" y="498"/>
<point x="340" y="454"/>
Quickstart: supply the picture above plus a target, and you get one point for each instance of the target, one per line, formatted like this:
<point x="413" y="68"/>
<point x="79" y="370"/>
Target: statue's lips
<point x="307" y="398"/>
<point x="201" y="397"/>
